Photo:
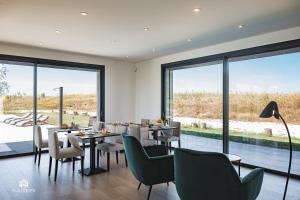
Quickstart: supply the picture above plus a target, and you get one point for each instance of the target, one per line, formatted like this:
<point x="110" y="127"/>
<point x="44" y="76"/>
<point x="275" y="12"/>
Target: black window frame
<point x="264" y="49"/>
<point x="58" y="64"/>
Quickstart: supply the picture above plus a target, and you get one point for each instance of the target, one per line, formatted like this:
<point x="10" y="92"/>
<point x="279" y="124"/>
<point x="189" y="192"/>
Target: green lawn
<point x="247" y="138"/>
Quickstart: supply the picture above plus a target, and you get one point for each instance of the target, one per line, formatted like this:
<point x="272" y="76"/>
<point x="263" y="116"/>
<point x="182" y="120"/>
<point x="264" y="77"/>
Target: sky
<point x="20" y="79"/>
<point x="274" y="74"/>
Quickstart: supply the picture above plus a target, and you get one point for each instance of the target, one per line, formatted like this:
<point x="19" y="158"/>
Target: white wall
<point x="148" y="75"/>
<point x="119" y="77"/>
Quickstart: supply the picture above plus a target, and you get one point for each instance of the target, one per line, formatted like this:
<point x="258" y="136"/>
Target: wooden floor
<point x="117" y="184"/>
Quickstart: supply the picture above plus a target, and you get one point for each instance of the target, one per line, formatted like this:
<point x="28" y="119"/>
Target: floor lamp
<point x="271" y="110"/>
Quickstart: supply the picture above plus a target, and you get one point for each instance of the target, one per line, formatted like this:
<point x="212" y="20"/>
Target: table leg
<point x="92" y="170"/>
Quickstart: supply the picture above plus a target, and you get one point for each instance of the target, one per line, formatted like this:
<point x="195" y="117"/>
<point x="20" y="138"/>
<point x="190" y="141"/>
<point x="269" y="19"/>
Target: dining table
<point x="156" y="128"/>
<point x="91" y="138"/>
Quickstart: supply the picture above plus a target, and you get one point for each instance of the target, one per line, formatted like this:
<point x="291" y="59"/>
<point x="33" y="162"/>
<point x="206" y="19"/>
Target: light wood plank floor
<point x="118" y="184"/>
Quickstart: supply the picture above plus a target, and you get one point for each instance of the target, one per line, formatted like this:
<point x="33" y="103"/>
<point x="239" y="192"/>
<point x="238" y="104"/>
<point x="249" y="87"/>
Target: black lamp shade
<point x="270" y="110"/>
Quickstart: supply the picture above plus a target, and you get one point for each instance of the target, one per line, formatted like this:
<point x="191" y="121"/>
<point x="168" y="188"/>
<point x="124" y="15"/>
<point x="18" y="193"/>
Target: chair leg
<point x="82" y="165"/>
<point x="168" y="183"/>
<point x="98" y="157"/>
<point x="117" y="157"/>
<point x="139" y="185"/>
<point x="126" y="163"/>
<point x="170" y="146"/>
<point x="150" y="188"/>
<point x="179" y="144"/>
<point x="35" y="154"/>
<point x="50" y="165"/>
<point x="73" y="161"/>
<point x="167" y="148"/>
<point x="40" y="152"/>
<point x="56" y="165"/>
<point x="108" y="161"/>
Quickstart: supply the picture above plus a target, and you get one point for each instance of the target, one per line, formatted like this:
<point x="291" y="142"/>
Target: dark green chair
<point x="211" y="176"/>
<point x="150" y="165"/>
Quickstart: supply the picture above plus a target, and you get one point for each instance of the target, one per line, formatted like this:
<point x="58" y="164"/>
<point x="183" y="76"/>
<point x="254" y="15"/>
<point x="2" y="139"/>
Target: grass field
<point x="242" y="106"/>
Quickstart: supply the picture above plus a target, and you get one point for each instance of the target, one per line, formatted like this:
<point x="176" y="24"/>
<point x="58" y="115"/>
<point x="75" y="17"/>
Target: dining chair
<point x="141" y="134"/>
<point x="114" y="145"/>
<point x="145" y="122"/>
<point x="96" y="127"/>
<point x="41" y="143"/>
<point x="172" y="135"/>
<point x="60" y="153"/>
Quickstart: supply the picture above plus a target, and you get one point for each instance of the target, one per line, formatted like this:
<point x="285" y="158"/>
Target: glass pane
<point x="16" y="107"/>
<point x="197" y="104"/>
<point x="253" y="83"/>
<point x="79" y="96"/>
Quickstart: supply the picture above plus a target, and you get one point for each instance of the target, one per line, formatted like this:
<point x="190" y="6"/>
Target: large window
<point x="47" y="93"/>
<point x="16" y="107"/>
<point x="195" y="100"/>
<point x="219" y="103"/>
<point x="253" y="83"/>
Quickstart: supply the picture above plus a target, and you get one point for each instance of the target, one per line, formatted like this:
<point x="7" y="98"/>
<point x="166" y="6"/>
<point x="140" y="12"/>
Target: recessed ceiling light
<point x="40" y="43"/>
<point x="240" y="26"/>
<point x="146" y="29"/>
<point x="189" y="40"/>
<point x="127" y="56"/>
<point x="84" y="13"/>
<point x="196" y="10"/>
<point x="58" y="31"/>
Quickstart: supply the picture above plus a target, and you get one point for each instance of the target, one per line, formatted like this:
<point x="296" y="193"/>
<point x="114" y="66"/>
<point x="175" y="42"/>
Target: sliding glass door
<point x="195" y="100"/>
<point x="57" y="94"/>
<point x="255" y="81"/>
<point x="16" y="107"/>
<point x="219" y="102"/>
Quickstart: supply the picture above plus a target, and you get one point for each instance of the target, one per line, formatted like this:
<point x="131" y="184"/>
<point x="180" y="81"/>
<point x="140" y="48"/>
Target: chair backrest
<point x="145" y="122"/>
<point x="38" y="138"/>
<point x="74" y="141"/>
<point x="136" y="155"/>
<point x="205" y="175"/>
<point x="176" y="132"/>
<point x="121" y="130"/>
<point x="53" y="144"/>
<point x="97" y="126"/>
<point x="135" y="130"/>
<point x="92" y="119"/>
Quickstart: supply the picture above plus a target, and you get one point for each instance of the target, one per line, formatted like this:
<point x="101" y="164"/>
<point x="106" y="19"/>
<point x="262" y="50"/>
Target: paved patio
<point x="253" y="154"/>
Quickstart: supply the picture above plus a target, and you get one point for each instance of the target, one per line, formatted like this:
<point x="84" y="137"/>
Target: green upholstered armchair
<point x="150" y="165"/>
<point x="211" y="176"/>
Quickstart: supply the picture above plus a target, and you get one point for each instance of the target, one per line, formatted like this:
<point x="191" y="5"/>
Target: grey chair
<point x="170" y="136"/>
<point x="61" y="153"/>
<point x="141" y="134"/>
<point x="115" y="145"/>
<point x="145" y="122"/>
<point x="41" y="143"/>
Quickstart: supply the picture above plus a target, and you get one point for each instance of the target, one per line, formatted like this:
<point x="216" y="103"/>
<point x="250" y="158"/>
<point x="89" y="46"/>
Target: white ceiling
<point x="115" y="28"/>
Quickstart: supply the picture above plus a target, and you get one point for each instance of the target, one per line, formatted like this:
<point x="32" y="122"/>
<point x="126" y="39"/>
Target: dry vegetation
<point x="85" y="103"/>
<point x="243" y="106"/>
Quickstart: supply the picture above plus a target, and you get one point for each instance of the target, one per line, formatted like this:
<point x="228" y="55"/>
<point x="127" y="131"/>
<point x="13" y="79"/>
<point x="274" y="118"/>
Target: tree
<point x="4" y="88"/>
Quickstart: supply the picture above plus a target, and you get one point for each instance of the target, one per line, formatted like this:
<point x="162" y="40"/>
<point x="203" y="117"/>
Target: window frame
<point x="270" y="49"/>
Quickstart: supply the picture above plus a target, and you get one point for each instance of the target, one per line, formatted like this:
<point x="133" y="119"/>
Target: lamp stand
<point x="290" y="160"/>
